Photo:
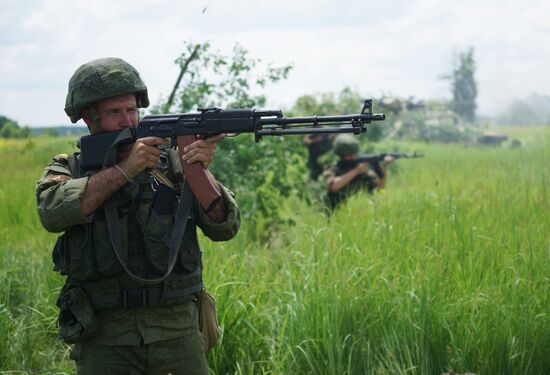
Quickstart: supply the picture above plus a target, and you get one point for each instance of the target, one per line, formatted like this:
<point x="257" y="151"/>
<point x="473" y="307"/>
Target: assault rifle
<point x="99" y="150"/>
<point x="374" y="160"/>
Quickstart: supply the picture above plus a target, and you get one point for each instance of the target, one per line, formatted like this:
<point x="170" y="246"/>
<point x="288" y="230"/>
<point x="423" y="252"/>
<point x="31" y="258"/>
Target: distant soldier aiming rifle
<point x="353" y="172"/>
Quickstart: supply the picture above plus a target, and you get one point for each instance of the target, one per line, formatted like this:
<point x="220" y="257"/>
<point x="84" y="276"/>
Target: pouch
<point x="61" y="257"/>
<point x="76" y="319"/>
<point x="208" y="319"/>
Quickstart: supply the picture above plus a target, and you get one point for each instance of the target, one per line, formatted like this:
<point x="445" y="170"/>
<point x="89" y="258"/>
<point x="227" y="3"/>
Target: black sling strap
<point x="111" y="215"/>
<point x="182" y="213"/>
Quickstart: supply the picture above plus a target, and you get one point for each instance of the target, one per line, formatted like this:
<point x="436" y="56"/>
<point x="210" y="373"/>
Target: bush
<point x="10" y="129"/>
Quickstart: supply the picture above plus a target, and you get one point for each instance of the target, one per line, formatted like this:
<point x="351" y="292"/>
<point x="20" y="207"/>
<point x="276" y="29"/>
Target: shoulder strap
<point x="182" y="213"/>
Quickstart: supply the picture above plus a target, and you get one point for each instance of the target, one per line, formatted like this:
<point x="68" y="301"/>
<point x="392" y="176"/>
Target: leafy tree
<point x="259" y="173"/>
<point x="209" y="78"/>
<point x="10" y="129"/>
<point x="464" y="86"/>
<point x="346" y="101"/>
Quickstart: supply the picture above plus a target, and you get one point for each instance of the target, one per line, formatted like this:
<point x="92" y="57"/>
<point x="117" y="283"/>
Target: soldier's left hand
<point x="202" y="150"/>
<point x="388" y="159"/>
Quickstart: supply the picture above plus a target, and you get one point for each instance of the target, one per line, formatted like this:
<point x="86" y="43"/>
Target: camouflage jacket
<point x="58" y="195"/>
<point x="365" y="181"/>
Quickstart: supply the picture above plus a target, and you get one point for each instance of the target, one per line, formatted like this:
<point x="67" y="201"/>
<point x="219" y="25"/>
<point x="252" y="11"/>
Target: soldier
<point x="348" y="176"/>
<point x="317" y="145"/>
<point x="121" y="313"/>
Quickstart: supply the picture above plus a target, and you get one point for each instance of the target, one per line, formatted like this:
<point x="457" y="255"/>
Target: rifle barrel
<point x="317" y="120"/>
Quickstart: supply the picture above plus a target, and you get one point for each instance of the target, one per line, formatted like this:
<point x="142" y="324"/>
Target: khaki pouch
<point x="208" y="319"/>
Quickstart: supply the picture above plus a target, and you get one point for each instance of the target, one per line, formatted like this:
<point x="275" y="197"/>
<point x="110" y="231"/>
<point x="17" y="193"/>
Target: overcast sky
<point x="398" y="47"/>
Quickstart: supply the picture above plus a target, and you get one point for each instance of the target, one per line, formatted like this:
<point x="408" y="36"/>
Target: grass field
<point x="448" y="269"/>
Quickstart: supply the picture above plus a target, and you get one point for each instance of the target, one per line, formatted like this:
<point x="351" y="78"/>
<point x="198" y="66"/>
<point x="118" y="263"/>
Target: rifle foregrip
<point x="204" y="189"/>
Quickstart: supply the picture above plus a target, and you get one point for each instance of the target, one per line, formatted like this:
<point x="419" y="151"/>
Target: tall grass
<point x="28" y="333"/>
<point x="446" y="270"/>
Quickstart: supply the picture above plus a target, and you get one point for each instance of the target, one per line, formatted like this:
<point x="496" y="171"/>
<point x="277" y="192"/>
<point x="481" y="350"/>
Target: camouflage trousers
<point x="179" y="356"/>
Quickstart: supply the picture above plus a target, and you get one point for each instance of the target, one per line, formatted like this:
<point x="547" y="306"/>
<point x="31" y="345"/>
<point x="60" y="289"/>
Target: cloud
<point x="399" y="47"/>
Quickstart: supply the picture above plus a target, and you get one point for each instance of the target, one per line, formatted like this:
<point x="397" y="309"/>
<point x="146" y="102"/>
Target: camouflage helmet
<point x="101" y="79"/>
<point x="345" y="145"/>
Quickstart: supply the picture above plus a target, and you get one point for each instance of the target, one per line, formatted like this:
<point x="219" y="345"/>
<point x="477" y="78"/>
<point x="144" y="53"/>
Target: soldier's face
<point x="117" y="113"/>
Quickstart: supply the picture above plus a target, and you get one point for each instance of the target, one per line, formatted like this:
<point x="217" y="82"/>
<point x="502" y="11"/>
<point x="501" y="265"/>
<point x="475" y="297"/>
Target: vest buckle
<point x="134" y="297"/>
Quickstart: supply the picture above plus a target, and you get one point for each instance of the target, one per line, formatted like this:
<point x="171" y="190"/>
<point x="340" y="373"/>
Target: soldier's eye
<point x="113" y="113"/>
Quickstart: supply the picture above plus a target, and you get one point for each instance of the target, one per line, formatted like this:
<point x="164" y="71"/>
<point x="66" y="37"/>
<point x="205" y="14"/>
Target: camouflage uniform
<point x="118" y="325"/>
<point x="345" y="145"/>
<point x="363" y="182"/>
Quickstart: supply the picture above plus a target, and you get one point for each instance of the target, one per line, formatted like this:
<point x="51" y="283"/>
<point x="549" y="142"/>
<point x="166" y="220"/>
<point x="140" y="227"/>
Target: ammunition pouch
<point x="76" y="319"/>
<point x="208" y="319"/>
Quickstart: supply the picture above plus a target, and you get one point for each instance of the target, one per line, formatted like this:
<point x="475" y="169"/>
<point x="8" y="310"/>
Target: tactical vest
<point x="146" y="212"/>
<point x="360" y="182"/>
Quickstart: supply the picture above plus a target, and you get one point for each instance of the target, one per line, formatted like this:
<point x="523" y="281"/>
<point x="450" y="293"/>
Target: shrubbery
<point x="10" y="129"/>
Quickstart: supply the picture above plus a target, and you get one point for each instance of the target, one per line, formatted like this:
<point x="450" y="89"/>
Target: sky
<point x="391" y="47"/>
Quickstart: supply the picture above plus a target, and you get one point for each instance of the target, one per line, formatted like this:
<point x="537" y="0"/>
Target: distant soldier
<point x="317" y="145"/>
<point x="349" y="176"/>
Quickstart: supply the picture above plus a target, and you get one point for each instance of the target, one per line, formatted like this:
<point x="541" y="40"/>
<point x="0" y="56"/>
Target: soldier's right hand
<point x="362" y="168"/>
<point x="143" y="154"/>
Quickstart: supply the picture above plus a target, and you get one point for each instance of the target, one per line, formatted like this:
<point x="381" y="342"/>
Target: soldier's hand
<point x="202" y="150"/>
<point x="362" y="168"/>
<point x="143" y="154"/>
<point x="388" y="159"/>
<point x="123" y="152"/>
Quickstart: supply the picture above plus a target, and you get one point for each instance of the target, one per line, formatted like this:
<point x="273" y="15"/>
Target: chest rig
<point x="141" y="247"/>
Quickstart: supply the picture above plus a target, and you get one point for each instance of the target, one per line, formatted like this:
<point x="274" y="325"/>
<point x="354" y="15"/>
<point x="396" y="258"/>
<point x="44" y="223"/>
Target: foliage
<point x="261" y="174"/>
<point x="254" y="171"/>
<point x="431" y="121"/>
<point x="325" y="104"/>
<point x="212" y="79"/>
<point x="10" y="129"/>
<point x="464" y="86"/>
<point x="435" y="122"/>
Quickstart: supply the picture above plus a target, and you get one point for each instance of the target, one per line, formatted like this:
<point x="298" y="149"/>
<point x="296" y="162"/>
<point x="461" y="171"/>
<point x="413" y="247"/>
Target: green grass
<point x="447" y="269"/>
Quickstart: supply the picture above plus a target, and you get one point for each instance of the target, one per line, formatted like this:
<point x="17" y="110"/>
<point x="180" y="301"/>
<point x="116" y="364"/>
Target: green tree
<point x="254" y="171"/>
<point x="464" y="86"/>
<point x="10" y="129"/>
<point x="346" y="101"/>
<point x="209" y="78"/>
